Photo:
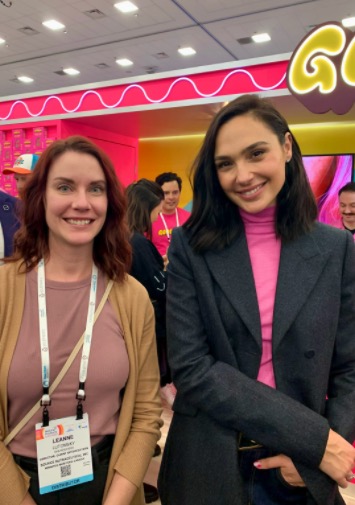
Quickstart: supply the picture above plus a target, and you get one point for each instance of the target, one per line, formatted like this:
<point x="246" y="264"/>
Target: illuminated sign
<point x="321" y="71"/>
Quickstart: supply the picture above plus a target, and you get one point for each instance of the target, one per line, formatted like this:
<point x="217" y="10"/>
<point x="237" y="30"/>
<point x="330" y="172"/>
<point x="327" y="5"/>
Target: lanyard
<point x="166" y="226"/>
<point x="43" y="330"/>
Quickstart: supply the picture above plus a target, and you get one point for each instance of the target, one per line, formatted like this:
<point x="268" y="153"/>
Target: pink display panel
<point x="327" y="174"/>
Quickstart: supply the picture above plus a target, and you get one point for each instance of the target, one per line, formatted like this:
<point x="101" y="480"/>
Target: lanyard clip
<point x="45" y="417"/>
<point x="80" y="395"/>
<point x="79" y="410"/>
<point x="46" y="399"/>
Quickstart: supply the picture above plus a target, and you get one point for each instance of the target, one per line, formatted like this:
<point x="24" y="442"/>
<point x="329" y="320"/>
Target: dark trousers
<point x="267" y="487"/>
<point x="88" y="493"/>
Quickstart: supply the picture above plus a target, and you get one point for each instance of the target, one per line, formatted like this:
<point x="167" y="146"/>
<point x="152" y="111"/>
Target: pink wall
<point x="35" y="137"/>
<point x="122" y="150"/>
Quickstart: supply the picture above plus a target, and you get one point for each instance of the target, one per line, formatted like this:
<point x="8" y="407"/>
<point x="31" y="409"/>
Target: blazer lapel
<point x="301" y="264"/>
<point x="232" y="271"/>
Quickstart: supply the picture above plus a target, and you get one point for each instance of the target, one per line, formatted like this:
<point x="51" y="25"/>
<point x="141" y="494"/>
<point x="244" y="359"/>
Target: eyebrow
<point x="244" y="151"/>
<point x="65" y="179"/>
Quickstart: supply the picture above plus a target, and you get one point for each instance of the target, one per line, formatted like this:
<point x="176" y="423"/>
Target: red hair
<point x="112" y="250"/>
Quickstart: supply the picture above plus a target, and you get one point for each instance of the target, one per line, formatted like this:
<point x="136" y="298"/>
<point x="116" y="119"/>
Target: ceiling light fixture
<point x="2" y="41"/>
<point x="261" y="37"/>
<point x="52" y="24"/>
<point x="187" y="51"/>
<point x="126" y="7"/>
<point x="348" y="22"/>
<point x="124" y="62"/>
<point x="71" y="71"/>
<point x="25" y="79"/>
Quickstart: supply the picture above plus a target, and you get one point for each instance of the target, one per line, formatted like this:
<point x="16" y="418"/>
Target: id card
<point x="63" y="453"/>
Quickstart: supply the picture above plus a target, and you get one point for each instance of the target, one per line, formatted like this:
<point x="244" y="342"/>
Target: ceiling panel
<point x="159" y="26"/>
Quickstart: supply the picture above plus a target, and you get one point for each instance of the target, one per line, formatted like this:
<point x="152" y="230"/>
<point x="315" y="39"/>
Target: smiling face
<point x="75" y="200"/>
<point x="250" y="162"/>
<point x="171" y="196"/>
<point x="347" y="209"/>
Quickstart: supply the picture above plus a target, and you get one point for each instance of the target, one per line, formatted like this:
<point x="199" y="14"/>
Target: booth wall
<point x="170" y="154"/>
<point x="176" y="154"/>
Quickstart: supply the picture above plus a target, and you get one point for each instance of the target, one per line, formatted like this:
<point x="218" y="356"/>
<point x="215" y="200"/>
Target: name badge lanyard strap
<point x="166" y="226"/>
<point x="43" y="329"/>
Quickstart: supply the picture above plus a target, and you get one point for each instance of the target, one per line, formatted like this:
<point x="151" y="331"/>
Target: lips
<point x="251" y="191"/>
<point x="79" y="222"/>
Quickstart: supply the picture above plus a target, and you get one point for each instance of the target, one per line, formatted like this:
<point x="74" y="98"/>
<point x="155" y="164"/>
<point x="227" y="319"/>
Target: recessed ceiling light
<point x="261" y="37"/>
<point x="52" y="24"/>
<point x="2" y="41"/>
<point x="348" y="22"/>
<point x="187" y="51"/>
<point x="25" y="79"/>
<point x="126" y="7"/>
<point x="71" y="71"/>
<point x="124" y="62"/>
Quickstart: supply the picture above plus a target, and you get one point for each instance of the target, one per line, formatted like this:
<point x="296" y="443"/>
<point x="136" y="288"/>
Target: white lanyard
<point x="43" y="329"/>
<point x="166" y="226"/>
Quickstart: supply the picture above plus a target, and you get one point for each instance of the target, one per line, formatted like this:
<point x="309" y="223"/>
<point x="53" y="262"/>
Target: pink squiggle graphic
<point x="138" y="86"/>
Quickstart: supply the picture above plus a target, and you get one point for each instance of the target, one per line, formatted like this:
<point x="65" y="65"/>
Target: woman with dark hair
<point x="76" y="341"/>
<point x="261" y="324"/>
<point x="144" y="204"/>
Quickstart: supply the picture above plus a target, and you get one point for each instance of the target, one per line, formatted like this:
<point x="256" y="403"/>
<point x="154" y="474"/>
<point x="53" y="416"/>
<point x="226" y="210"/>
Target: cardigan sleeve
<point x="142" y="396"/>
<point x="14" y="482"/>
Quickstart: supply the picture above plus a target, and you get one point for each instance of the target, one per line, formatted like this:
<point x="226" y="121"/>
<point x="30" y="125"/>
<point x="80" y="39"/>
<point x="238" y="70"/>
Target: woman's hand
<point x="287" y="468"/>
<point x="339" y="459"/>
<point x="166" y="261"/>
<point x="28" y="500"/>
<point x="121" y="491"/>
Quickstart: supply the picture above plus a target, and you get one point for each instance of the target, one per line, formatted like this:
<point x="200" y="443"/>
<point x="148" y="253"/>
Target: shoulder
<point x="12" y="270"/>
<point x="6" y="198"/>
<point x="130" y="291"/>
<point x="330" y="236"/>
<point x="183" y="212"/>
<point x="138" y="240"/>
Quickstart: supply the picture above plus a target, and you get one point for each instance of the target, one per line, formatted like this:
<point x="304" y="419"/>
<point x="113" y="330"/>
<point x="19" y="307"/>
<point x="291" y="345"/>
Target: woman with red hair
<point x="71" y="257"/>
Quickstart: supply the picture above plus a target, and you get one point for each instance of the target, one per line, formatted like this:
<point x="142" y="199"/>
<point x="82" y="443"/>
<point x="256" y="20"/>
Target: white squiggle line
<point x="107" y="106"/>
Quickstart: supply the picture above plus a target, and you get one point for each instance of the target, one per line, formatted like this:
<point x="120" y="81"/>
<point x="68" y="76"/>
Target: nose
<point x="243" y="174"/>
<point x="81" y="200"/>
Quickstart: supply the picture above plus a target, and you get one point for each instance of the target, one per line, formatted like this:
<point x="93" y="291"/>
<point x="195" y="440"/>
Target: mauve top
<point x="67" y="305"/>
<point x="264" y="251"/>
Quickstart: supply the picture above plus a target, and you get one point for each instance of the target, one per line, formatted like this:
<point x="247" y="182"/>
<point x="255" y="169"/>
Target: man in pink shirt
<point x="172" y="215"/>
<point x="347" y="206"/>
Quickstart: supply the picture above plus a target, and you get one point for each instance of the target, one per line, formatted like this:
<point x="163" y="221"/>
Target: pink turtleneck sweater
<point x="264" y="250"/>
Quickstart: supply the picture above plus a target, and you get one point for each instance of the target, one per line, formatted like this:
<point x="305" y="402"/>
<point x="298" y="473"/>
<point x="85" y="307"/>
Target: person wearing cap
<point x="22" y="169"/>
<point x="8" y="223"/>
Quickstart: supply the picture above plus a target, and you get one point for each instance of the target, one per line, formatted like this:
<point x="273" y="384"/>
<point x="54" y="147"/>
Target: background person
<point x="172" y="215"/>
<point x="74" y="218"/>
<point x="260" y="325"/>
<point x="22" y="170"/>
<point x="144" y="205"/>
<point x="8" y="223"/>
<point x="346" y="197"/>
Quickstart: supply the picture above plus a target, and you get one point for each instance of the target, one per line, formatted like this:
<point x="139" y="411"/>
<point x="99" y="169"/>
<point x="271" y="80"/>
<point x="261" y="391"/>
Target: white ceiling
<point x="160" y="26"/>
<point x="211" y="27"/>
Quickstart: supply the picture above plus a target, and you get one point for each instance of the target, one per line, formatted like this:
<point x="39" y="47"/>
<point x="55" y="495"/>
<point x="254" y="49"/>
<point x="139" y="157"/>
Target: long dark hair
<point x="112" y="250"/>
<point x="143" y="196"/>
<point x="215" y="221"/>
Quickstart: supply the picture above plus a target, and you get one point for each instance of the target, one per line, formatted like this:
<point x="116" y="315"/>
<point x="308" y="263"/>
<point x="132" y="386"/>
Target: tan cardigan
<point x="139" y="421"/>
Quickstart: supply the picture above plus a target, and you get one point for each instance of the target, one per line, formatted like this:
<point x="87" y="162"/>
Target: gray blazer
<point x="215" y="345"/>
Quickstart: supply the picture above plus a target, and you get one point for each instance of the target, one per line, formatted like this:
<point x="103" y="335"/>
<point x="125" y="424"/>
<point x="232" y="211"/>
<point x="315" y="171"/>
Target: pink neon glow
<point x="140" y="88"/>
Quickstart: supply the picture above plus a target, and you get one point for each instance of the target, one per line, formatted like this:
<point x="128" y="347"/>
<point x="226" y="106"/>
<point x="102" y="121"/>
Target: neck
<point x="66" y="265"/>
<point x="169" y="211"/>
